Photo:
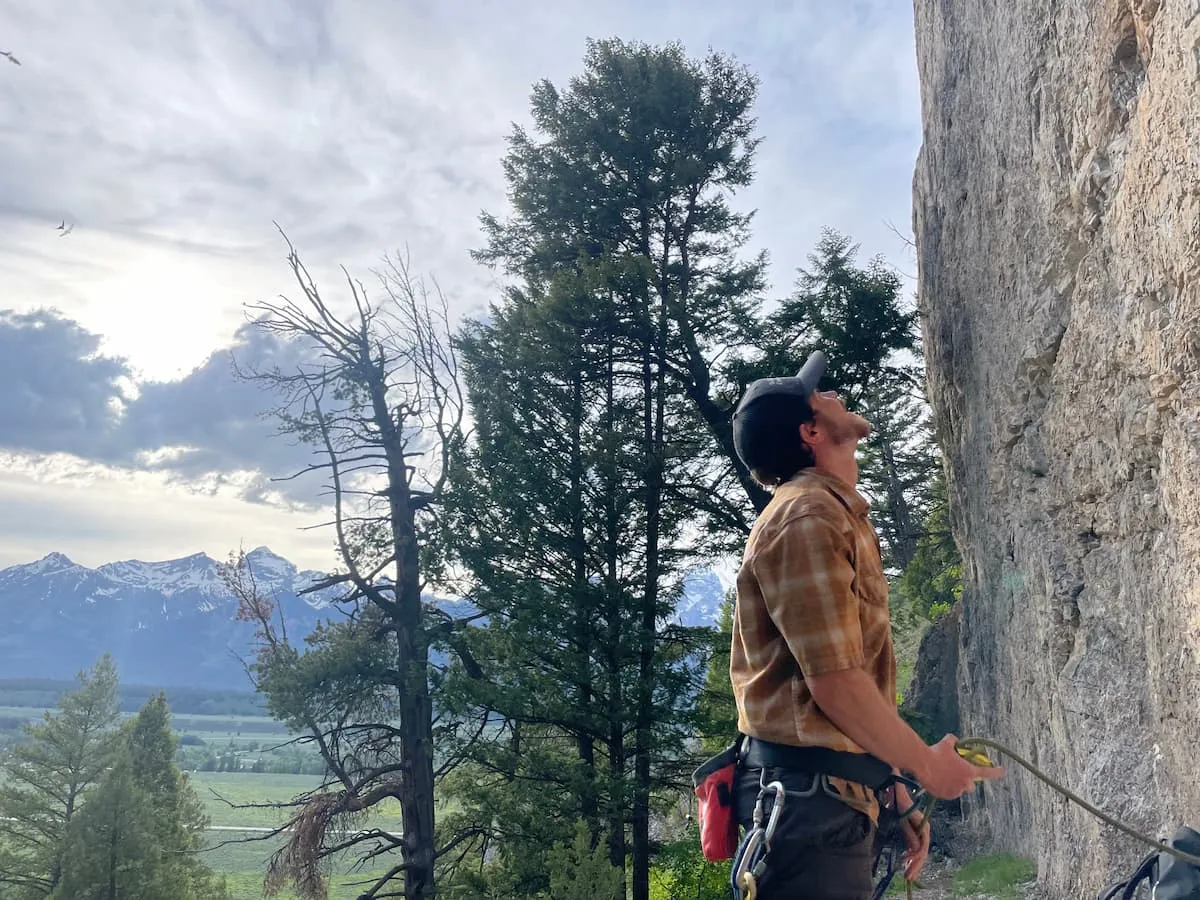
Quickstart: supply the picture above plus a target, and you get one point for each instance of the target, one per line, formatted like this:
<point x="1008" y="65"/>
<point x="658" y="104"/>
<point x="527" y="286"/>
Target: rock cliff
<point x="1057" y="215"/>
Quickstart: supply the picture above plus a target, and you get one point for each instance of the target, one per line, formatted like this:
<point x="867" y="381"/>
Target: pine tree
<point x="551" y="513"/>
<point x="621" y="211"/>
<point x="716" y="710"/>
<point x="44" y="781"/>
<point x="138" y="834"/>
<point x="854" y="314"/>
<point x="635" y="163"/>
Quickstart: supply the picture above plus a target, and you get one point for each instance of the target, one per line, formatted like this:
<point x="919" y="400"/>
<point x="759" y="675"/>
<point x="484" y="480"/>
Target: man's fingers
<point x="989" y="773"/>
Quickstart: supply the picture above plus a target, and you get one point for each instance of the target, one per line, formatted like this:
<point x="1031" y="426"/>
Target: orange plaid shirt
<point x="811" y="598"/>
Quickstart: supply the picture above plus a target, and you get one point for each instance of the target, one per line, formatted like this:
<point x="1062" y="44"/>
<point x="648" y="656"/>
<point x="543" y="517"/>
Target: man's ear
<point x="810" y="432"/>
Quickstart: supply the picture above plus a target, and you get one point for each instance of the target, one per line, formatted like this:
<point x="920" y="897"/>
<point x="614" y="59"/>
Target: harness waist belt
<point x="862" y="768"/>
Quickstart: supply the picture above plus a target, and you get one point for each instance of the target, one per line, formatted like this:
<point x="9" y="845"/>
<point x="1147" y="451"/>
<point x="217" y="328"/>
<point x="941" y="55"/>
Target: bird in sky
<point x="7" y="54"/>
<point x="65" y="228"/>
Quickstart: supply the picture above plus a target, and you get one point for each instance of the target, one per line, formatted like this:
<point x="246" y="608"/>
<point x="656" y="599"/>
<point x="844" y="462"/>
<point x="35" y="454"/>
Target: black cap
<point x="800" y="386"/>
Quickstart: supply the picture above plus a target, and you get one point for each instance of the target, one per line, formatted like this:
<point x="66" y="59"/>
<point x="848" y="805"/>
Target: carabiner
<point x="751" y="859"/>
<point x="776" y="812"/>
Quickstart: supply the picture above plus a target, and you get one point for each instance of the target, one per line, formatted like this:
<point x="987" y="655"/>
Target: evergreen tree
<point x="551" y="519"/>
<point x="636" y="161"/>
<point x="579" y="872"/>
<point x="854" y="314"/>
<point x="716" y="710"/>
<point x="45" y="779"/>
<point x="110" y="848"/>
<point x="138" y="834"/>
<point x="932" y="582"/>
<point x="622" y="224"/>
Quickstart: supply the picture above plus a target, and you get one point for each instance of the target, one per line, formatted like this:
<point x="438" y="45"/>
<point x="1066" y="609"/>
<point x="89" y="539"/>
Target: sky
<point x="172" y="136"/>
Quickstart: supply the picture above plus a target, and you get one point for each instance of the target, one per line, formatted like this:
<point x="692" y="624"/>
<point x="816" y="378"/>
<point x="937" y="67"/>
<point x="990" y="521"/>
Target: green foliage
<point x="138" y="833"/>
<point x="111" y="846"/>
<point x="627" y="180"/>
<point x="854" y="314"/>
<point x="94" y="811"/>
<point x="1000" y="876"/>
<point x="601" y="440"/>
<point x="575" y="866"/>
<point x="682" y="873"/>
<point x="45" y="779"/>
<point x="932" y="582"/>
<point x="580" y="870"/>
<point x="717" y="713"/>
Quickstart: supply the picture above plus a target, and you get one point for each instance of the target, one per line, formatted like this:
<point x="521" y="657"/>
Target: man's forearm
<point x="851" y="700"/>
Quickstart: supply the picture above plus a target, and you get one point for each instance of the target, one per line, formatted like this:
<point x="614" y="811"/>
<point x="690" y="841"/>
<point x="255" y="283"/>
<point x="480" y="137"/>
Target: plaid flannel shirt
<point x="811" y="598"/>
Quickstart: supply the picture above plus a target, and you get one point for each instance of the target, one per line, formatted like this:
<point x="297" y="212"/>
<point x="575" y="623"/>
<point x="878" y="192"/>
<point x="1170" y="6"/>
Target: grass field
<point x="242" y="856"/>
<point x="244" y="866"/>
<point x="216" y="726"/>
<point x="240" y="800"/>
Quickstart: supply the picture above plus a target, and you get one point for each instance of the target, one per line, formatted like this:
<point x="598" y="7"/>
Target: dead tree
<point x="381" y="405"/>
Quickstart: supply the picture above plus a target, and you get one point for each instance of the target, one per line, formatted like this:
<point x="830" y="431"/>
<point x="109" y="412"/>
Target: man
<point x="812" y="663"/>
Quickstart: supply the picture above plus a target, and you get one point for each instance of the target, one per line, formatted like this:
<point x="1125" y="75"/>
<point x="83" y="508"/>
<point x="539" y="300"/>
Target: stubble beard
<point x="853" y="429"/>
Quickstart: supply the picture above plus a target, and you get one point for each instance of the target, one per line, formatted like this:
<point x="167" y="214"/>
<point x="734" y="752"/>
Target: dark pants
<point x="822" y="849"/>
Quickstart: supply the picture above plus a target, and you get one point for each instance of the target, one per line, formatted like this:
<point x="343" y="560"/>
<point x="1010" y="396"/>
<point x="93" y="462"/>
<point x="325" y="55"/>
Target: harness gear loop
<point x="751" y="860"/>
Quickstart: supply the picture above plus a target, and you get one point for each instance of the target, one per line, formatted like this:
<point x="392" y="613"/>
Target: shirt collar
<point x="856" y="502"/>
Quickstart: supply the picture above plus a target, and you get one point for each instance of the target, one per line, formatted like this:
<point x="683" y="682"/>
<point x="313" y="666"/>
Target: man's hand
<point x="948" y="776"/>
<point x="916" y="835"/>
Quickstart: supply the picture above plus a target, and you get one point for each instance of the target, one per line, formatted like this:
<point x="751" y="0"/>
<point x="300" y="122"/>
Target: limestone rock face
<point x="1057" y="214"/>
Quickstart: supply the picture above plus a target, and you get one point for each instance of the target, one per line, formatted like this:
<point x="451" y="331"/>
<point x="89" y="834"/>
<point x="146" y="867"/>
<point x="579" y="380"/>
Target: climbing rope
<point x="973" y="750"/>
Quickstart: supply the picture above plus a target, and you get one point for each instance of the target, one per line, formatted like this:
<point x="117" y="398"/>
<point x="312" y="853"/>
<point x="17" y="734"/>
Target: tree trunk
<point x="416" y="731"/>
<point x="588" y="802"/>
<point x="904" y="543"/>
<point x="615" y="743"/>
<point x="112" y="858"/>
<point x="653" y="427"/>
<point x="412" y="664"/>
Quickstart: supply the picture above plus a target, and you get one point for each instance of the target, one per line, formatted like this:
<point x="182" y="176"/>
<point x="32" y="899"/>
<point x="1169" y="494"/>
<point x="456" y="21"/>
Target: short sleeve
<point x="805" y="572"/>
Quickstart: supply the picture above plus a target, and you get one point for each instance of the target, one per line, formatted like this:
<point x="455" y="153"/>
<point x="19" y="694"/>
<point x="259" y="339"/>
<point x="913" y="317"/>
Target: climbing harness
<point x="1174" y="866"/>
<point x="889" y="842"/>
<point x="750" y="861"/>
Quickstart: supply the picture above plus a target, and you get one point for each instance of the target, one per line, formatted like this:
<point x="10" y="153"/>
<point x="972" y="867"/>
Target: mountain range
<point x="173" y="623"/>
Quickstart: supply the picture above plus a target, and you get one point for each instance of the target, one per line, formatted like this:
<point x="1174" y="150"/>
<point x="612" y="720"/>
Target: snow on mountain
<point x="173" y="622"/>
<point x="704" y="593"/>
<point x="166" y="622"/>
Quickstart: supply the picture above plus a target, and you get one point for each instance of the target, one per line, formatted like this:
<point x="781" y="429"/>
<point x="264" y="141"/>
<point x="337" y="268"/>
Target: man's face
<point x="843" y="426"/>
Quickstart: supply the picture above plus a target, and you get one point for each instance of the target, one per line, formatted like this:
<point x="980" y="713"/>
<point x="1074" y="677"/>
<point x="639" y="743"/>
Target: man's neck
<point x="842" y="466"/>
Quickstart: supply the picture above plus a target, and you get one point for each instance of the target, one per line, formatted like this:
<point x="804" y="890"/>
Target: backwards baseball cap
<point x="798" y="387"/>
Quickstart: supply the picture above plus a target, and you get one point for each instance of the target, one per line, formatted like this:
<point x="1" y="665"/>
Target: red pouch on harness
<point x="718" y="815"/>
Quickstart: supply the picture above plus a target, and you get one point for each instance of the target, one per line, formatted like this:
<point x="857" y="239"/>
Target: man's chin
<point x="864" y="428"/>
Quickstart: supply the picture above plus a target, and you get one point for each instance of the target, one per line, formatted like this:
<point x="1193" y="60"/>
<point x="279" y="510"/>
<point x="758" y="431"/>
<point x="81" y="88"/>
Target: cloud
<point x="172" y="135"/>
<point x="98" y="514"/>
<point x="213" y="423"/>
<point x="60" y="393"/>
<point x="210" y="429"/>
